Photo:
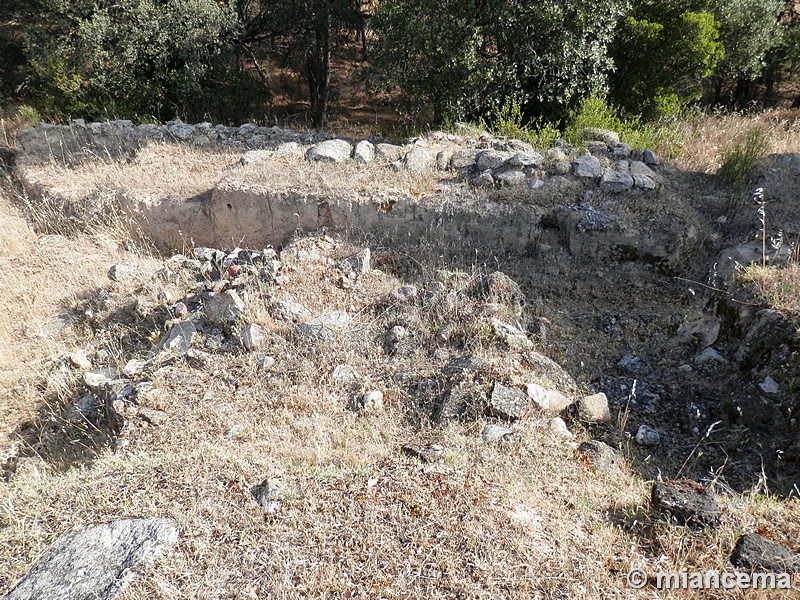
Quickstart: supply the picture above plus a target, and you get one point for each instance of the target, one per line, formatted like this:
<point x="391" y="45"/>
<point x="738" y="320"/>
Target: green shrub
<point x="596" y="112"/>
<point x="507" y="120"/>
<point x="739" y="162"/>
<point x="29" y="115"/>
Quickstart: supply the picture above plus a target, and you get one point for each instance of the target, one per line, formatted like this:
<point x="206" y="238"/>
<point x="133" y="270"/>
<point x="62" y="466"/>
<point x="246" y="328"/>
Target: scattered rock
<point x="754" y="552"/>
<point x="79" y="360"/>
<point x="255" y="156"/>
<point x="512" y="177"/>
<point x="516" y="339"/>
<point x="646" y="436"/>
<point x="388" y="152"/>
<point x="484" y="179"/>
<point x="497" y="433"/>
<point x="325" y="326"/>
<point x="135" y="366"/>
<point x="710" y="355"/>
<point x="226" y="307"/>
<point x="769" y="386"/>
<point x="632" y="364"/>
<point x="539" y="395"/>
<point x="559" y="428"/>
<point x="289" y="311"/>
<point x="121" y="272"/>
<point x="178" y="338"/>
<point x="587" y="166"/>
<point x="344" y="375"/>
<point x="96" y="561"/>
<point x="507" y="403"/>
<point x="364" y="152"/>
<point x="372" y="400"/>
<point x="99" y="380"/>
<point x="356" y="265"/>
<point x="594" y="408"/>
<point x="615" y="182"/>
<point x="526" y="159"/>
<point x="335" y="151"/>
<point x="267" y="363"/>
<point x="644" y="182"/>
<point x="269" y="495"/>
<point x="490" y="160"/>
<point x="451" y="406"/>
<point x="253" y="337"/>
<point x="406" y="293"/>
<point x="463" y="158"/>
<point x="443" y="159"/>
<point x="153" y="416"/>
<point x="600" y="456"/>
<point x="651" y="158"/>
<point x="419" y="160"/>
<point x="393" y="338"/>
<point x="427" y="453"/>
<point x="689" y="502"/>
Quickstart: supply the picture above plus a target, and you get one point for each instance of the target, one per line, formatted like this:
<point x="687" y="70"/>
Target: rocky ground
<point x="361" y="416"/>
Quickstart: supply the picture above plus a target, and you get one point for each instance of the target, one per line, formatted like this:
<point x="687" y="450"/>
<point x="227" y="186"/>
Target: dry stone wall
<point x="463" y="211"/>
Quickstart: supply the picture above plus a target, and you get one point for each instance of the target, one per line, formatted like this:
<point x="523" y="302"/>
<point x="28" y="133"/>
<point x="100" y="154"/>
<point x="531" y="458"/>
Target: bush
<point x="739" y="162"/>
<point x="29" y="115"/>
<point x="596" y="112"/>
<point x="141" y="59"/>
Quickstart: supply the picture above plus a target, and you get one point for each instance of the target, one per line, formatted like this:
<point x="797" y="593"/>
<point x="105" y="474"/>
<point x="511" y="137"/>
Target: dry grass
<point x="778" y="286"/>
<point x="172" y="170"/>
<point x="707" y="138"/>
<point x="359" y="519"/>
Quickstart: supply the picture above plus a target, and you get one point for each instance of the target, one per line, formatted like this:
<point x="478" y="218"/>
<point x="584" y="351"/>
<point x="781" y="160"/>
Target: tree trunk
<point x="318" y="68"/>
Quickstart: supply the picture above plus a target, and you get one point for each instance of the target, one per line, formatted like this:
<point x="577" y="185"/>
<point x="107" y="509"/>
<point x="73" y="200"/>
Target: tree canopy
<point x="437" y="59"/>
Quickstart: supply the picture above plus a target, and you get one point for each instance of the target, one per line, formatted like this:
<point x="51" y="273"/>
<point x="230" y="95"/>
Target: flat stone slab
<point x="587" y="166"/>
<point x="325" y="326"/>
<point x="508" y="403"/>
<point x="599" y="456"/>
<point x="689" y="502"/>
<point x="330" y="151"/>
<point x="755" y="552"/>
<point x="96" y="561"/>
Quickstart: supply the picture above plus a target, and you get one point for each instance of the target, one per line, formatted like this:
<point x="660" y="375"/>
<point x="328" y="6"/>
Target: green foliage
<point x="739" y="162"/>
<point x="509" y="122"/>
<point x="663" y="51"/>
<point x="29" y="115"/>
<point x="308" y="30"/>
<point x="596" y="112"/>
<point x="432" y="59"/>
<point x="145" y="57"/>
<point x="749" y="29"/>
<point x="463" y="59"/>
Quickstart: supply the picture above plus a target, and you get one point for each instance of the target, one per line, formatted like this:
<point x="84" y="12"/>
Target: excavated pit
<point x="615" y="274"/>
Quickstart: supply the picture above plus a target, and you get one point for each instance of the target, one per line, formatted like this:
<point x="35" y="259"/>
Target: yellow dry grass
<point x="359" y="519"/>
<point x="705" y="139"/>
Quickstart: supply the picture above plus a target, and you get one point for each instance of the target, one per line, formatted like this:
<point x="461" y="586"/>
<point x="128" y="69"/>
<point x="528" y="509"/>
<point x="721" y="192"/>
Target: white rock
<point x="343" y="375"/>
<point x="594" y="408"/>
<point x="253" y="336"/>
<point x="710" y="355"/>
<point x="496" y="433"/>
<point x="647" y="436"/>
<point x="330" y="151"/>
<point x="364" y="152"/>
<point x="372" y="400"/>
<point x="539" y="395"/>
<point x="559" y="428"/>
<point x="769" y="386"/>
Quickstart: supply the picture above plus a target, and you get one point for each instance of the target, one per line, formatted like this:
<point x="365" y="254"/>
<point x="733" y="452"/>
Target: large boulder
<point x="96" y="561"/>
